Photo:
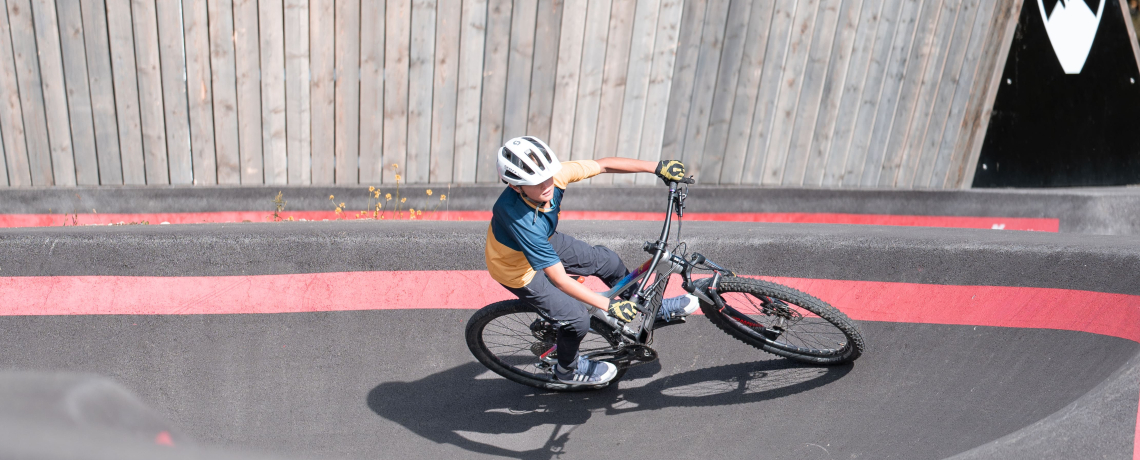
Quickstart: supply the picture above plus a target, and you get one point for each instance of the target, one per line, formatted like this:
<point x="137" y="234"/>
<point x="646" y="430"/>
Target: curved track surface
<point x="1045" y="365"/>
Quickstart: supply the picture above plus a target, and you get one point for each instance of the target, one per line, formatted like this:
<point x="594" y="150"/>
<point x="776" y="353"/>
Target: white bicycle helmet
<point x="526" y="161"/>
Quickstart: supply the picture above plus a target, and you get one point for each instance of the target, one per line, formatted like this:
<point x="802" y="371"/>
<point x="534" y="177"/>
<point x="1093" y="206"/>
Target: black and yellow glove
<point x="670" y="170"/>
<point x="623" y="310"/>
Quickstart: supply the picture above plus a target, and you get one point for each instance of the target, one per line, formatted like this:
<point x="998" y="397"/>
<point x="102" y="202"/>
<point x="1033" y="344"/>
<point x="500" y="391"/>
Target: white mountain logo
<point x="1071" y="28"/>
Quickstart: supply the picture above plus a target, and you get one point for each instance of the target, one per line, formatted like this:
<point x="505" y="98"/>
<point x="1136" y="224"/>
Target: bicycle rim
<point x="520" y="341"/>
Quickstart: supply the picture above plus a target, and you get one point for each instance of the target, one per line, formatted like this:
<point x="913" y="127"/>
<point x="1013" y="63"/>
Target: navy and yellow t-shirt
<point x="518" y="239"/>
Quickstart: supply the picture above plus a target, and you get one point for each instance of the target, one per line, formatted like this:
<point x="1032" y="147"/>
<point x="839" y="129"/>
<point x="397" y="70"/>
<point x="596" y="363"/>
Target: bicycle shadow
<point x="470" y="408"/>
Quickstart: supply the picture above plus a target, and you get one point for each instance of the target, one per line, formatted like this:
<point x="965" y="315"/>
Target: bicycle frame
<point x="664" y="263"/>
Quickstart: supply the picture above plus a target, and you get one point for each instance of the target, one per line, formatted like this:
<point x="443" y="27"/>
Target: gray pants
<point x="571" y="316"/>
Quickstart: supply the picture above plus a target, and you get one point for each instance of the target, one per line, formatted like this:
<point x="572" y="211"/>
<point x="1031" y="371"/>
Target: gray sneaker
<point x="677" y="307"/>
<point x="588" y="372"/>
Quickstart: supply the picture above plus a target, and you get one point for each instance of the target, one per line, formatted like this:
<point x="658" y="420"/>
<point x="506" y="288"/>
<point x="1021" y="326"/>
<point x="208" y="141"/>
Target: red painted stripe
<point x="1006" y="223"/>
<point x="1115" y="315"/>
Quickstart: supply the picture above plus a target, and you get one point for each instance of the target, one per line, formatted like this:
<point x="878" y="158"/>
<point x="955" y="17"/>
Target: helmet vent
<point x="538" y="143"/>
<point x="534" y="158"/>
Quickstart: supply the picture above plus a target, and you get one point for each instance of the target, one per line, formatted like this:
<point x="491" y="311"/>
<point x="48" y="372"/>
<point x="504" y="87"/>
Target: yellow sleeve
<point x="574" y="171"/>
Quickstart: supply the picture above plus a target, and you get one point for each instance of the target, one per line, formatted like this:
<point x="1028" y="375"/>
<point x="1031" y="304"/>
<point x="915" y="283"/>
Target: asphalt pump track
<point x="345" y="340"/>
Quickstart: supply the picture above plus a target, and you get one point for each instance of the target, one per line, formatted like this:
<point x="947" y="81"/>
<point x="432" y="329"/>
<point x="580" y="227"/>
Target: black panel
<point x="1051" y="129"/>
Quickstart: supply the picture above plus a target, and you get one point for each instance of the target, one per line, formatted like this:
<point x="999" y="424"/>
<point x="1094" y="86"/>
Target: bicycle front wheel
<point x="785" y="322"/>
<point x="514" y="341"/>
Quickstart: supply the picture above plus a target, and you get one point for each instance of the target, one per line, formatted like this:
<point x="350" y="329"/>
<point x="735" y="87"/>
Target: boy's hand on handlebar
<point x="623" y="310"/>
<point x="670" y="170"/>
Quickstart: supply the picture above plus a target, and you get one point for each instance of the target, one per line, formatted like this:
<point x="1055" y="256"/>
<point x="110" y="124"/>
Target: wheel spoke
<point x="509" y="340"/>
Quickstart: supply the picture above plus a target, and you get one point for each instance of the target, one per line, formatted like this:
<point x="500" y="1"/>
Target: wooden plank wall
<point x="797" y="93"/>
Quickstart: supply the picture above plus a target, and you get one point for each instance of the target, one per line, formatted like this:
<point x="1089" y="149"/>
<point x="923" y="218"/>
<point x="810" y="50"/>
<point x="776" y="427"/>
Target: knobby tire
<point x="824" y="336"/>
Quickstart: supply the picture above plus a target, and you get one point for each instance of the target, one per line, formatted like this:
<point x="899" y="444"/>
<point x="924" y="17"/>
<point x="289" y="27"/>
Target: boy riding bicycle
<point x="528" y="256"/>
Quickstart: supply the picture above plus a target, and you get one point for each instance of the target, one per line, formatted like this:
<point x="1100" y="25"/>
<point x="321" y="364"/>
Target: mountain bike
<point x="518" y="342"/>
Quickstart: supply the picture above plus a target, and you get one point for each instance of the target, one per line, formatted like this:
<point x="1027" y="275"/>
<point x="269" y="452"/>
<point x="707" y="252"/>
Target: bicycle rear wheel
<point x="785" y="322"/>
<point x="514" y="341"/>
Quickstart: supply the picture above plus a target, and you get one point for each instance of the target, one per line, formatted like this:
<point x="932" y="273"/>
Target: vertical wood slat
<point x="784" y="117"/>
<point x="3" y="164"/>
<point x="372" y="92"/>
<point x="31" y="91"/>
<point x="949" y="83"/>
<point x="74" y="59"/>
<point x="666" y="40"/>
<point x="275" y="151"/>
<point x="495" y="63"/>
<point x="570" y="41"/>
<point x="99" y="74"/>
<point x="923" y="58"/>
<point x="322" y="90"/>
<point x="223" y="87"/>
<point x="843" y="49"/>
<point x="247" y="65"/>
<point x="613" y="83"/>
<point x="768" y="93"/>
<point x="870" y="91"/>
<point x="590" y="80"/>
<point x="54" y="93"/>
<point x="444" y="92"/>
<point x="637" y="84"/>
<point x="396" y="42"/>
<point x="120" y="28"/>
<point x="704" y="84"/>
<point x="934" y="99"/>
<point x="893" y="85"/>
<point x="811" y="92"/>
<point x="470" y="86"/>
<point x="200" y="92"/>
<point x="715" y="143"/>
<point x="349" y="161"/>
<point x="832" y="95"/>
<point x="850" y="99"/>
<point x="547" y="30"/>
<point x="11" y="122"/>
<point x="373" y="83"/>
<point x="519" y="65"/>
<point x="947" y="155"/>
<point x="148" y="65"/>
<point x="684" y="68"/>
<point x="176" y="114"/>
<point x="298" y="127"/>
<point x="746" y="93"/>
<point x="421" y="66"/>
<point x="993" y="32"/>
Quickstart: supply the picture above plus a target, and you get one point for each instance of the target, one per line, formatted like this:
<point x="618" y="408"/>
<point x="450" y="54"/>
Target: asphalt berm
<point x="398" y="382"/>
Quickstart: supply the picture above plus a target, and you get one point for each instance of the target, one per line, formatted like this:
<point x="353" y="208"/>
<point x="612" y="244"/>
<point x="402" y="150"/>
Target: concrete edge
<point x="1112" y="211"/>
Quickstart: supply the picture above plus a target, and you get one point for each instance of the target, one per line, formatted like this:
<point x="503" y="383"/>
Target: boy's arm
<point x="626" y="165"/>
<point x="557" y="275"/>
<point x="667" y="170"/>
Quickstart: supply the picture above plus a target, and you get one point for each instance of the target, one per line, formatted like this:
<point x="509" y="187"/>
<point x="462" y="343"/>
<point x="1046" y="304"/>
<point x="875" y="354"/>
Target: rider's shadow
<point x="468" y="407"/>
